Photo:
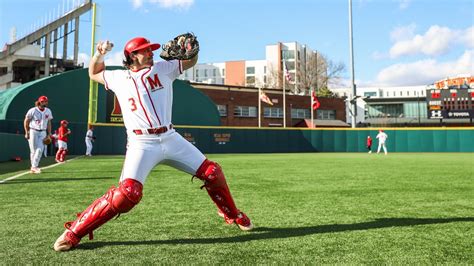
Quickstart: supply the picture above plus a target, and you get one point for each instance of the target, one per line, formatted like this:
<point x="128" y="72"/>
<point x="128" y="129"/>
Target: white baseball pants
<point x="36" y="146"/>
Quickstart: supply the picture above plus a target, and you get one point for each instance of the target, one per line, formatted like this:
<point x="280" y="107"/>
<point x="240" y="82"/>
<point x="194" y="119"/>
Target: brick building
<point x="238" y="106"/>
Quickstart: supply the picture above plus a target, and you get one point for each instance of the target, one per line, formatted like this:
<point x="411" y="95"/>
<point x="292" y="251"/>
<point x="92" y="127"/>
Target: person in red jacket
<point x="369" y="144"/>
<point x="63" y="133"/>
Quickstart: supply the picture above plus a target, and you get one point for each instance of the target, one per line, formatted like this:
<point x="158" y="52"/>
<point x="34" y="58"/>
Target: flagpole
<point x="311" y="107"/>
<point x="284" y="94"/>
<point x="259" y="107"/>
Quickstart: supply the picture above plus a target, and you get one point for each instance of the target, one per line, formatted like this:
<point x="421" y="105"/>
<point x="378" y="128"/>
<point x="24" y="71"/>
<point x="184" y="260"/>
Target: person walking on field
<point x="37" y="126"/>
<point x="369" y="144"/>
<point x="382" y="137"/>
<point x="145" y="93"/>
<point x="89" y="139"/>
<point x="63" y="134"/>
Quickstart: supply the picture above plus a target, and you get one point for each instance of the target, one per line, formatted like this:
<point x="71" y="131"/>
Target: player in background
<point x="369" y="144"/>
<point x="89" y="139"/>
<point x="145" y="92"/>
<point x="382" y="137"/>
<point x="63" y="134"/>
<point x="37" y="126"/>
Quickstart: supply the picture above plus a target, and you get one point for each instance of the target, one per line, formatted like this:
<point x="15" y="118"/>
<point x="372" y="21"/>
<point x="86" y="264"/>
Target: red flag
<point x="316" y="103"/>
<point x="264" y="98"/>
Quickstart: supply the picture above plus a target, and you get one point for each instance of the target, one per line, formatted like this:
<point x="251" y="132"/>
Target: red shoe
<point x="242" y="221"/>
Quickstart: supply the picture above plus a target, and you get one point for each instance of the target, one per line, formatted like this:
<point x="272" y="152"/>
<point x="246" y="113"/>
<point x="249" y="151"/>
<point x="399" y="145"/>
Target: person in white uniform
<point x="37" y="125"/>
<point x="145" y="93"/>
<point x="382" y="138"/>
<point x="89" y="139"/>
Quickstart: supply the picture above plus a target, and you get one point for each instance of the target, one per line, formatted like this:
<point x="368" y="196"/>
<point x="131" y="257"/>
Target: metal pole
<point x="284" y="97"/>
<point x="259" y="107"/>
<point x="354" y="93"/>
<point x="419" y="115"/>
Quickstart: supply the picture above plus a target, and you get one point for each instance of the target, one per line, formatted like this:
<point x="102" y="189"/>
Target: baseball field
<point x="311" y="208"/>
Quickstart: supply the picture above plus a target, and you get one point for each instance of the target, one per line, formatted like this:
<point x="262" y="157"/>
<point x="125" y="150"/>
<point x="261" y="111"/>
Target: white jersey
<point x="382" y="136"/>
<point x="89" y="134"/>
<point x="145" y="96"/>
<point x="39" y="119"/>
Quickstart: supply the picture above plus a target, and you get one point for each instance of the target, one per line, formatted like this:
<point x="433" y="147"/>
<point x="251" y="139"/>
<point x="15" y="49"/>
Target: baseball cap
<point x="64" y="122"/>
<point x="139" y="43"/>
<point x="43" y="99"/>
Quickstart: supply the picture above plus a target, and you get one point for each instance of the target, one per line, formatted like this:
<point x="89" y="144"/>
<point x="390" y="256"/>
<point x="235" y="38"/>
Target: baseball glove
<point x="47" y="140"/>
<point x="183" y="47"/>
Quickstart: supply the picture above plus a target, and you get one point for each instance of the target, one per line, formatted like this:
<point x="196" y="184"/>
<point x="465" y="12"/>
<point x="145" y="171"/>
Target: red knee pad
<point x="128" y="194"/>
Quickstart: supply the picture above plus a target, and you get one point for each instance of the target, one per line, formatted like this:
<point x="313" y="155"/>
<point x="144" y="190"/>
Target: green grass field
<point x="407" y="208"/>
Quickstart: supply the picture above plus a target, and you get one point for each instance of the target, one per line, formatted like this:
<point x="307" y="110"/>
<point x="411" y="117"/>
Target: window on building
<point x="245" y="111"/>
<point x="205" y="73"/>
<point x="387" y="94"/>
<point x="223" y="72"/>
<point x="385" y="110"/>
<point x="300" y="113"/>
<point x="401" y="93"/>
<point x="288" y="54"/>
<point x="197" y="73"/>
<point x="370" y="93"/>
<point x="408" y="93"/>
<point x="222" y="110"/>
<point x="273" y="112"/>
<point x="250" y="80"/>
<point x="185" y="74"/>
<point x="326" y="114"/>
<point x="251" y="70"/>
<point x="264" y="69"/>
<point x="394" y="93"/>
<point x="214" y="72"/>
<point x="265" y="79"/>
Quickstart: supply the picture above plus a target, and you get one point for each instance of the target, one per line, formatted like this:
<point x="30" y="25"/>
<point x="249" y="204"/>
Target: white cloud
<point x="112" y="59"/>
<point x="436" y="41"/>
<point x="136" y="3"/>
<point x="83" y="58"/>
<point x="168" y="4"/>
<point x="425" y="71"/>
<point x="403" y="33"/>
<point x="404" y="4"/>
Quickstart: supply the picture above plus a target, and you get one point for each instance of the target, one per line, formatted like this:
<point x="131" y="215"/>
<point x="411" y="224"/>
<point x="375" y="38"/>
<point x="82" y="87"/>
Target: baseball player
<point x="382" y="137"/>
<point x="369" y="144"/>
<point x="89" y="139"/>
<point x="63" y="133"/>
<point x="145" y="93"/>
<point x="37" y="126"/>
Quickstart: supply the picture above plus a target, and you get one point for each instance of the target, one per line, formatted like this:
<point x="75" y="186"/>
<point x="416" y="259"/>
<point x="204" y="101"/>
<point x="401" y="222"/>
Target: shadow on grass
<point x="49" y="180"/>
<point x="262" y="233"/>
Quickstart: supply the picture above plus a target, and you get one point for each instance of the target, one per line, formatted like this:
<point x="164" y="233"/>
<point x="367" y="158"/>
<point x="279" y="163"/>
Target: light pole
<point x="354" y="93"/>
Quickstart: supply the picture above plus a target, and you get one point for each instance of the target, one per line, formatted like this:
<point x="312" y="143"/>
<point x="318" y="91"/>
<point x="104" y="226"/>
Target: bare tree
<point x="316" y="72"/>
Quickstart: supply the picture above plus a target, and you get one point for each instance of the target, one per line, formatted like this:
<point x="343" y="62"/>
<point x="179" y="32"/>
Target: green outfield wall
<point x="112" y="140"/>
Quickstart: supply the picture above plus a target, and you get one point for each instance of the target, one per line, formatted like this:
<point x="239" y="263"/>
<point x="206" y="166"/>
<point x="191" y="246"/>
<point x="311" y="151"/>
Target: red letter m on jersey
<point x="155" y="83"/>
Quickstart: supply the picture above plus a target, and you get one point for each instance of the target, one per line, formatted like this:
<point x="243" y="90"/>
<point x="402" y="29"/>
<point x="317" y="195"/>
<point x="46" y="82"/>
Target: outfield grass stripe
<point x="27" y="172"/>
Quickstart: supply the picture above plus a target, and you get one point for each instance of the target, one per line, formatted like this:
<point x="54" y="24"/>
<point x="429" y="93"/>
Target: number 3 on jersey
<point x="133" y="106"/>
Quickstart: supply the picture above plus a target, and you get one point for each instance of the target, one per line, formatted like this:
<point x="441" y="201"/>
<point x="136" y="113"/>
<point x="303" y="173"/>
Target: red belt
<point x="152" y="131"/>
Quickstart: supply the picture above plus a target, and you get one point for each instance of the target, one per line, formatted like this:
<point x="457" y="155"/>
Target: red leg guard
<point x="63" y="156"/>
<point x="115" y="201"/>
<point x="216" y="186"/>
<point x="58" y="154"/>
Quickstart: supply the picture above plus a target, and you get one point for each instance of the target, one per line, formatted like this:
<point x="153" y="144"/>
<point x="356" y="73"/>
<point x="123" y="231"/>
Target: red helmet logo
<point x="139" y="43"/>
<point x="43" y="99"/>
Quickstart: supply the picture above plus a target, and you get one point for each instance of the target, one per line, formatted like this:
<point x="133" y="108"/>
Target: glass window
<point x="288" y="54"/>
<point x="300" y="113"/>
<point x="264" y="69"/>
<point x="197" y="72"/>
<point x="245" y="111"/>
<point x="205" y="73"/>
<point x="273" y="112"/>
<point x="326" y="114"/>
<point x="250" y="70"/>
<point x="214" y="72"/>
<point x="370" y="93"/>
<point x="385" y="110"/>
<point x="250" y="80"/>
<point x="290" y="65"/>
<point x="222" y="110"/>
<point x="223" y="72"/>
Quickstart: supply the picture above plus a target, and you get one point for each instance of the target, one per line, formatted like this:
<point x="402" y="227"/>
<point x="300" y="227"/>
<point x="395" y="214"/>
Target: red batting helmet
<point x="64" y="122"/>
<point x="139" y="43"/>
<point x="43" y="99"/>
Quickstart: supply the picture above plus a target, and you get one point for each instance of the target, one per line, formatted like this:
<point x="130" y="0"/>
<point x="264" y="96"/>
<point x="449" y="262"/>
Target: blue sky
<point x="396" y="42"/>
